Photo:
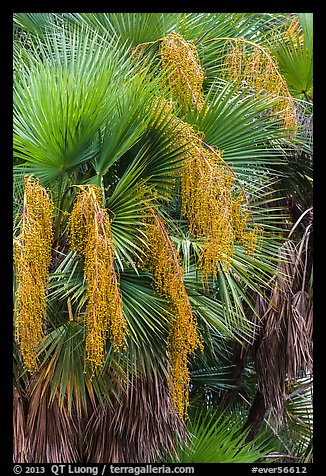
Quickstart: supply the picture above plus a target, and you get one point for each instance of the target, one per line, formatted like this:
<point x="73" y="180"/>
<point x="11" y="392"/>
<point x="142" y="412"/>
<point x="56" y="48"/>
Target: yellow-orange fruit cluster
<point x="185" y="75"/>
<point x="163" y="262"/>
<point x="258" y="71"/>
<point x="32" y="257"/>
<point x="210" y="199"/>
<point x="293" y="32"/>
<point x="91" y="236"/>
<point x="251" y="239"/>
<point x="214" y="208"/>
<point x="206" y="202"/>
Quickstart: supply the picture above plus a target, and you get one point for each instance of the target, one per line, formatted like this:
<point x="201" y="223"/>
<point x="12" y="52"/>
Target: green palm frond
<point x="214" y="378"/>
<point x="217" y="438"/>
<point x="211" y="378"/>
<point x="70" y="381"/>
<point x="299" y="415"/>
<point x="235" y="124"/>
<point x="60" y="104"/>
<point x="128" y="119"/>
<point x="212" y="41"/>
<point x="127" y="206"/>
<point x="221" y="314"/>
<point x="145" y="312"/>
<point x="216" y="25"/>
<point x="35" y="23"/>
<point x="141" y="176"/>
<point x="130" y="28"/>
<point x="165" y="156"/>
<point x="295" y="57"/>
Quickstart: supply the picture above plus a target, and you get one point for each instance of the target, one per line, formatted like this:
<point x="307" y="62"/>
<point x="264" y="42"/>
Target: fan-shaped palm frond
<point x="130" y="28"/>
<point x="216" y="438"/>
<point x="294" y="53"/>
<point x="35" y="23"/>
<point x="69" y="97"/>
<point x="299" y="416"/>
<point x="235" y="123"/>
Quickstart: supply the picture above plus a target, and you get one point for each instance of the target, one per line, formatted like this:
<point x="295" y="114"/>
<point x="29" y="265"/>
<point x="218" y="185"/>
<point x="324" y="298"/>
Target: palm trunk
<point x="256" y="416"/>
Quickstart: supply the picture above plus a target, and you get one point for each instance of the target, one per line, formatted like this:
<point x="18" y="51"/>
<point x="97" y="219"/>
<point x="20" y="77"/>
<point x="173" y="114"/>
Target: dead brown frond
<point x="19" y="429"/>
<point x="284" y="347"/>
<point x="299" y="343"/>
<point x="51" y="433"/>
<point x="137" y="428"/>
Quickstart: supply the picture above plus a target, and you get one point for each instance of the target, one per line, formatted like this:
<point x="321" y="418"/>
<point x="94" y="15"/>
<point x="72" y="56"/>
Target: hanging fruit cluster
<point x="214" y="205"/>
<point x="163" y="262"/>
<point x="32" y="257"/>
<point x="185" y="75"/>
<point x="215" y="208"/>
<point x="257" y="71"/>
<point x="91" y="236"/>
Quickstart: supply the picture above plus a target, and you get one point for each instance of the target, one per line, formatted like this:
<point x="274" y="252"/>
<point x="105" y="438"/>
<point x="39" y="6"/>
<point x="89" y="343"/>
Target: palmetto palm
<point x="87" y="112"/>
